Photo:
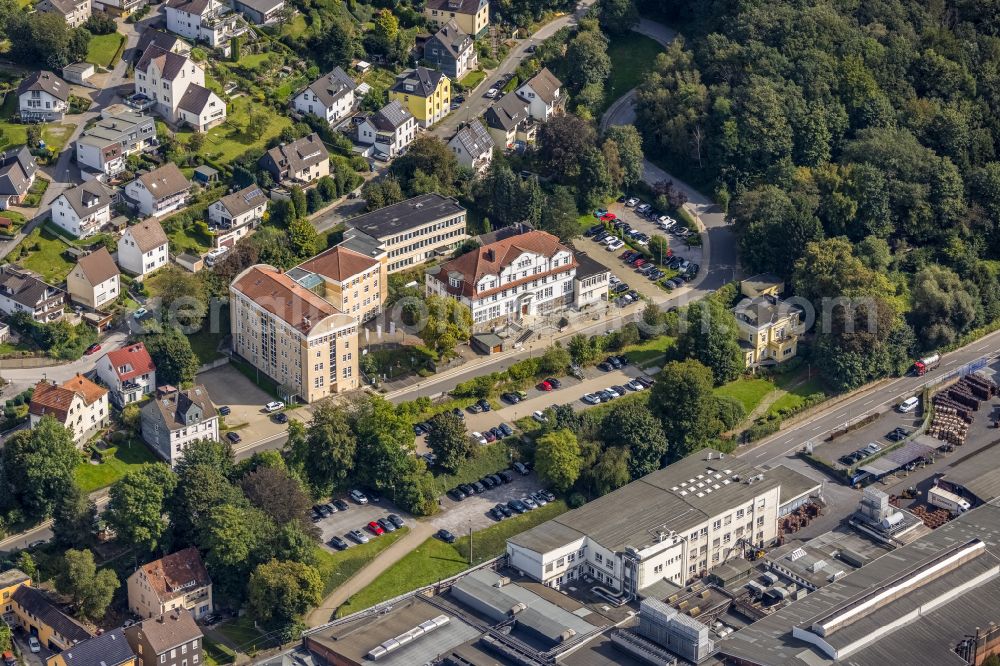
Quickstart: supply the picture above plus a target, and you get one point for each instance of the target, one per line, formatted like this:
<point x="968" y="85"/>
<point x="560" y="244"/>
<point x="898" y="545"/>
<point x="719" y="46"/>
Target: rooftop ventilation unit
<point x="393" y="644"/>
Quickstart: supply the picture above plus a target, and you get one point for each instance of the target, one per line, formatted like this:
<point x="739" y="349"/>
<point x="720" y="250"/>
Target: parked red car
<point x="375" y="528"/>
<point x="92" y="349"/>
<point x="545" y="386"/>
<point x="609" y="217"/>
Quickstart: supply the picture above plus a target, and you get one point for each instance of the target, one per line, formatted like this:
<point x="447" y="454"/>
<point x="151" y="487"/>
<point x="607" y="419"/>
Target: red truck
<point x="926" y="364"/>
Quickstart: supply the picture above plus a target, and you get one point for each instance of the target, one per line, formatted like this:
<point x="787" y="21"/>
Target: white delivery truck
<point x="940" y="497"/>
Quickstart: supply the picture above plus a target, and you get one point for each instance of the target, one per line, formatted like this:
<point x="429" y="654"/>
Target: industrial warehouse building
<point x="671" y="525"/>
<point x="932" y="601"/>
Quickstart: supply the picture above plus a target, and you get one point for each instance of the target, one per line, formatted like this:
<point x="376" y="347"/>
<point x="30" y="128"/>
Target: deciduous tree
<point x="137" y="504"/>
<point x="38" y="467"/>
<point x="283" y="591"/>
<point x="90" y="588"/>
<point x="683" y="400"/>
<point x="449" y="441"/>
<point x="557" y="459"/>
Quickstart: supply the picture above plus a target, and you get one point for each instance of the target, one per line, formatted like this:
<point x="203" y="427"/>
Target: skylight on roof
<point x="701" y="494"/>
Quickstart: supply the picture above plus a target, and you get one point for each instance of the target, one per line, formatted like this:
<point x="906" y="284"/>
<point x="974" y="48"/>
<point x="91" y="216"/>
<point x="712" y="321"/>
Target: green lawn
<point x="17" y="220"/>
<point x="797" y="393"/>
<point x="46" y="255"/>
<point x="650" y="352"/>
<point x="103" y="48"/>
<point x="631" y="58"/>
<point x="240" y="632"/>
<point x="205" y="343"/>
<point x="117" y="461"/>
<point x="55" y="135"/>
<point x="434" y="560"/>
<point x="747" y="391"/>
<point x="473" y="79"/>
<point x="11" y="134"/>
<point x="230" y="140"/>
<point x="336" y="568"/>
<point x="35" y="192"/>
<point x="188" y="240"/>
<point x="253" y="60"/>
<point x="216" y="653"/>
<point x="295" y="27"/>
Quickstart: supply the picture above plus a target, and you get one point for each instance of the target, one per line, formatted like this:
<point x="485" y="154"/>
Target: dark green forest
<point x="856" y="146"/>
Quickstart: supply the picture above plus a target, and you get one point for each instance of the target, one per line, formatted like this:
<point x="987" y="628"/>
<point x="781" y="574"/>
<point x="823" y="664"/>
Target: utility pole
<point x="470" y="543"/>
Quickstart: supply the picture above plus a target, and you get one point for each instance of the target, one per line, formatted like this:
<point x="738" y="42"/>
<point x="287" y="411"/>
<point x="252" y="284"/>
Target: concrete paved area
<point x="227" y="386"/>
<point x="459" y="517"/>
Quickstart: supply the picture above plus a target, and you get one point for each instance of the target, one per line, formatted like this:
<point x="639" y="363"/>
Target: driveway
<point x="227" y="386"/>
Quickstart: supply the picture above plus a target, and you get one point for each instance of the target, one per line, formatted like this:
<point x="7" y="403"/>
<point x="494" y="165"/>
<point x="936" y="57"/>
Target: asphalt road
<point x="883" y="394"/>
<point x="476" y="104"/>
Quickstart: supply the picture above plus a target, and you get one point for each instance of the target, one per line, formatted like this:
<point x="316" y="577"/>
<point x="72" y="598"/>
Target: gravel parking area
<point x="458" y="517"/>
<point x="356" y="518"/>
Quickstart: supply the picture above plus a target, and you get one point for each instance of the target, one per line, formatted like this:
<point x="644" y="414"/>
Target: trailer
<point x="926" y="364"/>
<point x="939" y="497"/>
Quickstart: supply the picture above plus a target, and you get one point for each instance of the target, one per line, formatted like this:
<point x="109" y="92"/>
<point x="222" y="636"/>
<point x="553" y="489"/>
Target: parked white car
<point x="615" y="245"/>
<point x="631" y="202"/>
<point x="491" y="93"/>
<point x="274" y="406"/>
<point x="478" y="437"/>
<point x="540" y="417"/>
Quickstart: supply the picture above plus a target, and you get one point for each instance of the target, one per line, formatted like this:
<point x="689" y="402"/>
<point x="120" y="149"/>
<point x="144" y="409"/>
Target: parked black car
<point x="338" y="543"/>
<point x="445" y="536"/>
<point x="520" y="468"/>
<point x="456" y="494"/>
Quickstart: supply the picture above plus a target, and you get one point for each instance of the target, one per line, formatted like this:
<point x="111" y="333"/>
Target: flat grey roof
<point x="405" y="215"/>
<point x="355" y="639"/>
<point x="677" y="497"/>
<point x="929" y="639"/>
<point x="978" y="472"/>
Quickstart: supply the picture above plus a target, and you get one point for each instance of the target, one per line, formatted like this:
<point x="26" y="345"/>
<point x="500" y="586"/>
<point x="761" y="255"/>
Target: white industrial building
<point x="674" y="524"/>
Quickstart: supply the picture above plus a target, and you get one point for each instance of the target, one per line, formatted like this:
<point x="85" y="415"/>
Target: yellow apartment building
<point x="426" y="93"/>
<point x="769" y="330"/>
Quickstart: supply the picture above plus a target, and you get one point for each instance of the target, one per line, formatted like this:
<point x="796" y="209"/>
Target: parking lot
<point x="458" y="517"/>
<point x="228" y="387"/>
<point x="571" y="392"/>
<point x="875" y="432"/>
<point x="650" y="289"/>
<point x="357" y="517"/>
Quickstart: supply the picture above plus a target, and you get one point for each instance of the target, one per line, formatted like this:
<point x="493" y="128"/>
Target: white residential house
<point x="23" y="291"/>
<point x="42" y="97"/>
<point x="143" y="248"/>
<point x="129" y="374"/>
<point x="473" y="146"/>
<point x="176" y="418"/>
<point x="330" y="97"/>
<point x="237" y="215"/>
<point x="95" y="280"/>
<point x="176" y="85"/>
<point x="74" y="12"/>
<point x="301" y="161"/>
<point x="520" y="276"/>
<point x="78" y="403"/>
<point x="543" y="93"/>
<point x="160" y="191"/>
<point x="82" y="210"/>
<point x="389" y="130"/>
<point x="119" y="133"/>
<point x="208" y="21"/>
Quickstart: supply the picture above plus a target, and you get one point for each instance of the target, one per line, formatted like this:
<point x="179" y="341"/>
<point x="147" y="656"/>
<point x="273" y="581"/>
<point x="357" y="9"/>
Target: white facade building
<point x="519" y="276"/>
<point x="82" y="210"/>
<point x="473" y="146"/>
<point x="176" y="418"/>
<point x="78" y="404"/>
<point x="390" y="130"/>
<point x="129" y="373"/>
<point x="42" y="96"/>
<point x="543" y="94"/>
<point x="330" y="97"/>
<point x="237" y="215"/>
<point x="176" y="85"/>
<point x="673" y="524"/>
<point x="143" y="248"/>
<point x="208" y="21"/>
<point x="160" y="191"/>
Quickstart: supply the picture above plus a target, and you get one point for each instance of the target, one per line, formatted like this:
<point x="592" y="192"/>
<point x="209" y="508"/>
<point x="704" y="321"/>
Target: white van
<point x="908" y="405"/>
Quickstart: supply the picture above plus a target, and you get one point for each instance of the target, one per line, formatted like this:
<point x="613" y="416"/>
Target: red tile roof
<point x="56" y="400"/>
<point x="176" y="574"/>
<point x="493" y="258"/>
<point x="339" y="263"/>
<point x="131" y="362"/>
<point x="283" y="297"/>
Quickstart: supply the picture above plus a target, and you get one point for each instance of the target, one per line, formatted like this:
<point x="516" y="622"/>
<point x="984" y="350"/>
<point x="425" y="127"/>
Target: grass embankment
<point x="434" y="560"/>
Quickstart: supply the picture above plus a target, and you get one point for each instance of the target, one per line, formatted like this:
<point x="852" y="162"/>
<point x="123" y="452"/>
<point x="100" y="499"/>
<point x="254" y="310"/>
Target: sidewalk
<point x="419" y="532"/>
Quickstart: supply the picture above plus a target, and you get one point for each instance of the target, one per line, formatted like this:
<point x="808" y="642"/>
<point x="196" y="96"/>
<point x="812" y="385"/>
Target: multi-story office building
<point x="675" y="523"/>
<point x="356" y="284"/>
<point x="293" y="335"/>
<point x="410" y="232"/>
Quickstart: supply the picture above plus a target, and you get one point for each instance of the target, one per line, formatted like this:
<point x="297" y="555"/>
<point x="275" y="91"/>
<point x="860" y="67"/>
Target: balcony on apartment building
<point x="162" y="204"/>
